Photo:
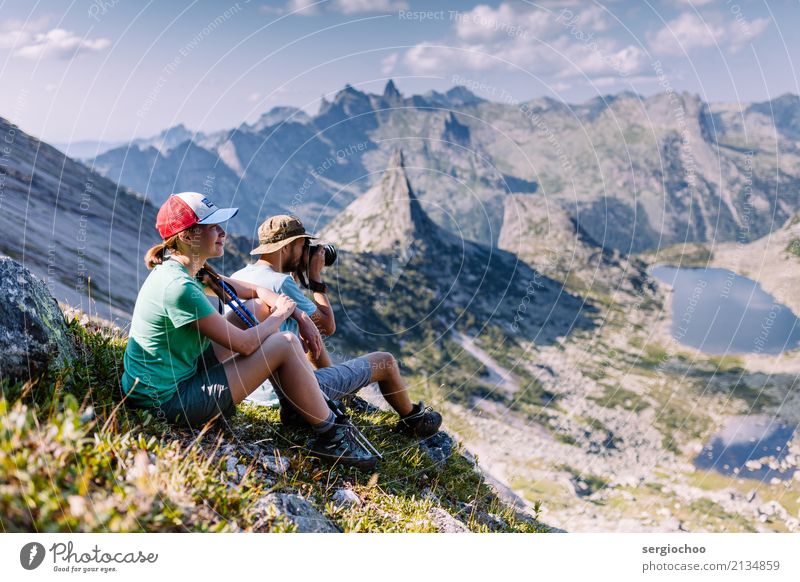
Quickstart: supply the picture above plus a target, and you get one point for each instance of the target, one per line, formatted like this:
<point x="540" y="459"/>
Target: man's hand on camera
<point x="316" y="263"/>
<point x="312" y="340"/>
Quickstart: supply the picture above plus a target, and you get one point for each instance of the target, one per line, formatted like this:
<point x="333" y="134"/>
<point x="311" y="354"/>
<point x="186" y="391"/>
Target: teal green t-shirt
<point x="162" y="347"/>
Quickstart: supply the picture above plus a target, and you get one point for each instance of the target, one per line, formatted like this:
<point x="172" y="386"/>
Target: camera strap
<point x="299" y="274"/>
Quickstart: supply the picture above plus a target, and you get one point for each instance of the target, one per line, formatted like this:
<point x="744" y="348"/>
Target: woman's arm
<point x="244" y="341"/>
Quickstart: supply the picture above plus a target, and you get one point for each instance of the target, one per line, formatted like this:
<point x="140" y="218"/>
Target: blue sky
<point x="116" y="69"/>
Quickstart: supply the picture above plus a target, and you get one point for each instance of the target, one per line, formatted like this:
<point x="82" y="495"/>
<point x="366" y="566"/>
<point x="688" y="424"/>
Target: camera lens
<point x="330" y="255"/>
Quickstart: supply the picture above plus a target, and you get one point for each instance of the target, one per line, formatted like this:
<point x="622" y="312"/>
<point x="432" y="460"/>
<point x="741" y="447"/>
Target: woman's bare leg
<point x="280" y="355"/>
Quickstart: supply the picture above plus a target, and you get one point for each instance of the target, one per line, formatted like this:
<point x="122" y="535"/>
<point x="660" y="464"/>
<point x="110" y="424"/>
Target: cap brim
<point x="272" y="247"/>
<point x="219" y="216"/>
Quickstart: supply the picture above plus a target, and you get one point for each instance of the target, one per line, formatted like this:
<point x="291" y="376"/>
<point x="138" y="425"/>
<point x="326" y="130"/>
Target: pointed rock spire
<point x="397" y="161"/>
<point x="391" y="94"/>
<point x="388" y="218"/>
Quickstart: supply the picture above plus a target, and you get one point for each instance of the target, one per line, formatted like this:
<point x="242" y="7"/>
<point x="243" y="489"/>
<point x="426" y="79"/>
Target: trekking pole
<point x="228" y="296"/>
<point x="360" y="438"/>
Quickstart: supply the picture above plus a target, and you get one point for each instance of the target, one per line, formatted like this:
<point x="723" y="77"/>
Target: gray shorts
<point x="201" y="397"/>
<point x="340" y="380"/>
<point x="346" y="378"/>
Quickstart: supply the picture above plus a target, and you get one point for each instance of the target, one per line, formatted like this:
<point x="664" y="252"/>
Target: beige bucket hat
<point x="277" y="232"/>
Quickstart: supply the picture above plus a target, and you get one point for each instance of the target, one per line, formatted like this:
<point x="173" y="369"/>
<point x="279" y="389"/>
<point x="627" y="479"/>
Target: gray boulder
<point x="299" y="511"/>
<point x="33" y="331"/>
<point x="438" y="447"/>
<point x="446" y="523"/>
<point x="345" y="498"/>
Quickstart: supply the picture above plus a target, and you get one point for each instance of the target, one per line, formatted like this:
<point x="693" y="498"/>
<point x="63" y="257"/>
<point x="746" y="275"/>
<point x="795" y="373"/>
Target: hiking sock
<point x="325" y="425"/>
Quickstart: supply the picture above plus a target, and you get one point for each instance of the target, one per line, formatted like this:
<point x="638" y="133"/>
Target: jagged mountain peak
<point x="460" y="95"/>
<point x="350" y="92"/>
<point x="279" y="114"/>
<point x="349" y="102"/>
<point x="391" y="93"/>
<point x="388" y="218"/>
<point x="168" y="138"/>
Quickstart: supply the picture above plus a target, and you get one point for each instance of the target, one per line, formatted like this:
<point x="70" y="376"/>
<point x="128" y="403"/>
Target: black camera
<point x="330" y="253"/>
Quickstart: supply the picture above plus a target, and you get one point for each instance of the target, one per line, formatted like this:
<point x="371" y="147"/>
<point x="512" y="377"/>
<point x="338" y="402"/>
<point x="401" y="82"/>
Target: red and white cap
<point x="186" y="209"/>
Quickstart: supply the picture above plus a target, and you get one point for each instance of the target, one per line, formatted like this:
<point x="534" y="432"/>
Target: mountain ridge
<point x="649" y="171"/>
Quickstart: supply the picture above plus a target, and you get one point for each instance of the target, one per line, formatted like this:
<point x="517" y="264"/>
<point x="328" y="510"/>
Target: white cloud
<point x="427" y="58"/>
<point x="693" y="2"/>
<point x="303" y="7"/>
<point x="356" y="6"/>
<point x="11" y="38"/>
<point x="485" y="23"/>
<point x="53" y="44"/>
<point x="389" y="63"/>
<point x="558" y="43"/>
<point x="315" y="7"/>
<point x="690" y="31"/>
<point x="745" y="31"/>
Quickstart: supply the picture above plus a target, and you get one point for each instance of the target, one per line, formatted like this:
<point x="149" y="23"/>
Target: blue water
<point x="720" y="312"/>
<point x="748" y="438"/>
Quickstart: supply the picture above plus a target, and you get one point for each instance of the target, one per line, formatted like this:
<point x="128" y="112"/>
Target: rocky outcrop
<point x="33" y="332"/>
<point x="552" y="241"/>
<point x="388" y="218"/>
<point x="389" y="234"/>
<point x="300" y="512"/>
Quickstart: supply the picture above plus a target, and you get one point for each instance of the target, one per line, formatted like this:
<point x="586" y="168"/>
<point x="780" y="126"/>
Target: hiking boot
<point x="339" y="445"/>
<point x="421" y="422"/>
<point x="291" y="418"/>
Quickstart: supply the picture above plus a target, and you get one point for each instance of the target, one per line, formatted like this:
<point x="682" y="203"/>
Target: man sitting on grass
<point x="283" y="244"/>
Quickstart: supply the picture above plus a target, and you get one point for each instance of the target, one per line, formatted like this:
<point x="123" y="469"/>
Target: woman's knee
<point x="290" y="338"/>
<point x="275" y="343"/>
<point x="283" y="342"/>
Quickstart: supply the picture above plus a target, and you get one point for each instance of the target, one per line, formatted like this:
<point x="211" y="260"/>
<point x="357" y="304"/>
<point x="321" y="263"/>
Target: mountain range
<point x="636" y="173"/>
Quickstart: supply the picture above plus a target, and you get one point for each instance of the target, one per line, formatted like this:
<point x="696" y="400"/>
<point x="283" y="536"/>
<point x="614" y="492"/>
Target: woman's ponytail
<point x="155" y="256"/>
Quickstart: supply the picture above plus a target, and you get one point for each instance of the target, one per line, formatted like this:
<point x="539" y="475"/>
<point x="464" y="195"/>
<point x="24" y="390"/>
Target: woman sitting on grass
<point x="188" y="364"/>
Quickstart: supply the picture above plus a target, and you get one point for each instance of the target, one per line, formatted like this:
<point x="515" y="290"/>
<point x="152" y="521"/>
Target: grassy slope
<point x="72" y="460"/>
